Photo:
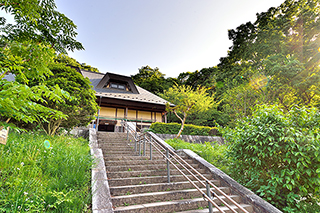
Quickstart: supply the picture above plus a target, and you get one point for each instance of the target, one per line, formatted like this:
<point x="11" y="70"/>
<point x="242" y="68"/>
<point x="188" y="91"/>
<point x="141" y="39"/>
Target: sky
<point x="121" y="36"/>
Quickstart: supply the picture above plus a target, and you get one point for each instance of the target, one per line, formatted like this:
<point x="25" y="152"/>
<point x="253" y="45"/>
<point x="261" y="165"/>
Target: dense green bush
<point x="276" y="154"/>
<point x="214" y="154"/>
<point x="38" y="176"/>
<point x="189" y="129"/>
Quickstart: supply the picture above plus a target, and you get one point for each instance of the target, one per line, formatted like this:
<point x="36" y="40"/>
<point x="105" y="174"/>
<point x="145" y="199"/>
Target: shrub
<point x="214" y="154"/>
<point x="189" y="129"/>
<point x="38" y="177"/>
<point x="276" y="154"/>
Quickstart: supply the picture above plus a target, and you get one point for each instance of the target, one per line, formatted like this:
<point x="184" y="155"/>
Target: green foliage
<point x="152" y="79"/>
<point x="240" y="99"/>
<point x="212" y="117"/>
<point x="35" y="178"/>
<point x="280" y="47"/>
<point x="40" y="22"/>
<point x="214" y="154"/>
<point x="276" y="154"/>
<point x="204" y="77"/>
<point x="188" y="101"/>
<point x="67" y="60"/>
<point x="27" y="48"/>
<point x="189" y="129"/>
<point x="80" y="109"/>
<point x="18" y="100"/>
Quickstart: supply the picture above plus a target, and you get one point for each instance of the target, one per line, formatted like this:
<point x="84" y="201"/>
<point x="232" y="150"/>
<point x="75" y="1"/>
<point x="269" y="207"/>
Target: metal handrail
<point x="207" y="181"/>
<point x="174" y="155"/>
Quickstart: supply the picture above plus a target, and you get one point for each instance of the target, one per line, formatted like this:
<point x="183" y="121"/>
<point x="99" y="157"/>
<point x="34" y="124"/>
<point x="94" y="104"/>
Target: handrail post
<point x="150" y="148"/>
<point x="209" y="195"/>
<point x="135" y="145"/>
<point x="139" y="147"/>
<point x="168" y="165"/>
<point x="127" y="130"/>
<point x="135" y="133"/>
<point x="144" y="145"/>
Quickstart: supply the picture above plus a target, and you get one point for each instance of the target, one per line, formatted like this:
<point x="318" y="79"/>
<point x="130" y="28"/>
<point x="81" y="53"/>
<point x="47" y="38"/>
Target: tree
<point x="281" y="46"/>
<point x="18" y="100"/>
<point x="80" y="109"/>
<point x="204" y="77"/>
<point x="188" y="101"/>
<point x="26" y="49"/>
<point x="40" y="22"/>
<point x="152" y="79"/>
<point x="62" y="58"/>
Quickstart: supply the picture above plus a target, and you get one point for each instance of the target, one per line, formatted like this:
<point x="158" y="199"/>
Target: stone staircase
<point x="138" y="184"/>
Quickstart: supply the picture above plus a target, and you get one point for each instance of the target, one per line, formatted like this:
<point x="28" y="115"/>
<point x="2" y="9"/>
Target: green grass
<point x="213" y="154"/>
<point x="34" y="178"/>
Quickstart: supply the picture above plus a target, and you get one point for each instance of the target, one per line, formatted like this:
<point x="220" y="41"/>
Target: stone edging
<point x="259" y="205"/>
<point x="101" y="198"/>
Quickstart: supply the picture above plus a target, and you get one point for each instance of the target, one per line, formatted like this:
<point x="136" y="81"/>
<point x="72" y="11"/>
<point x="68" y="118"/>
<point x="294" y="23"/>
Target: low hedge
<point x="189" y="129"/>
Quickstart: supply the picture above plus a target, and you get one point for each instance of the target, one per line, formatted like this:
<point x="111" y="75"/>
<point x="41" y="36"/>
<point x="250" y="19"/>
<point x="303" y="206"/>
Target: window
<point x="117" y="85"/>
<point x="114" y="85"/>
<point x="121" y="87"/>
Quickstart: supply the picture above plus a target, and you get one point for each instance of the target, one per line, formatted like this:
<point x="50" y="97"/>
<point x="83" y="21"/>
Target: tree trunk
<point x="182" y="125"/>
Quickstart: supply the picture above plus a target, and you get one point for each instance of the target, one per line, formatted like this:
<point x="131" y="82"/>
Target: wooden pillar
<point x="165" y="117"/>
<point x="126" y="113"/>
<point x="97" y="124"/>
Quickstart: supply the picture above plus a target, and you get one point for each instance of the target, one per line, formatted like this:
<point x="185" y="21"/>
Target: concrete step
<point x="121" y="154"/>
<point x="134" y="162"/>
<point x="153" y="197"/>
<point x="150" y="179"/>
<point x="116" y="143"/>
<point x="138" y="184"/>
<point x="145" y="173"/>
<point x="155" y="187"/>
<point x="118" y="152"/>
<point x="124" y="148"/>
<point x="113" y="140"/>
<point x="171" y="206"/>
<point x="224" y="208"/>
<point x="139" y="162"/>
<point x="142" y="167"/>
<point x="116" y="147"/>
<point x="107" y="139"/>
<point x="132" y="157"/>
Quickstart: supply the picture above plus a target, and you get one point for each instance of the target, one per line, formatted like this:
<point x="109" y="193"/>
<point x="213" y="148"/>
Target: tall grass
<point x="37" y="178"/>
<point x="214" y="154"/>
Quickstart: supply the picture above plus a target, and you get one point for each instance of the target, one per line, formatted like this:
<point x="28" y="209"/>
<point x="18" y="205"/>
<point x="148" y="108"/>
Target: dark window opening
<point x="118" y="85"/>
<point x="106" y="128"/>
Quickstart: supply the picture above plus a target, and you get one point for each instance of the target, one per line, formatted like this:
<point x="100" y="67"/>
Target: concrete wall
<point x="195" y="138"/>
<point x="101" y="198"/>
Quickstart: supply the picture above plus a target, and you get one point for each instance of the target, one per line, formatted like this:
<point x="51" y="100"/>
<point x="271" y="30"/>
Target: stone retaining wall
<point x="80" y="132"/>
<point x="195" y="138"/>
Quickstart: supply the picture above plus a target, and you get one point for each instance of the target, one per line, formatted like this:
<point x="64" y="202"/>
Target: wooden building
<point x="119" y="99"/>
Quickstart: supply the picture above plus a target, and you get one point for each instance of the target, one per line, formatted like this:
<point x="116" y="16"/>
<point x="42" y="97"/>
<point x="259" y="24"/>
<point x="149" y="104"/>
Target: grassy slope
<point x="34" y="178"/>
<point x="213" y="154"/>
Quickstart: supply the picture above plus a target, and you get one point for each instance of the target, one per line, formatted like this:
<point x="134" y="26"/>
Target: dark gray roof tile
<point x="143" y="96"/>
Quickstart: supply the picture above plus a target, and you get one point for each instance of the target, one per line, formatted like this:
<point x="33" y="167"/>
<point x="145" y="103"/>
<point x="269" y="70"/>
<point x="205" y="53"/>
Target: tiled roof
<point x="143" y="96"/>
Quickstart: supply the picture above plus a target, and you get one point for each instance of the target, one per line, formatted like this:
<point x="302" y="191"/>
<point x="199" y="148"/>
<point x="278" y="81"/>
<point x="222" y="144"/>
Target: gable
<point x="115" y="81"/>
